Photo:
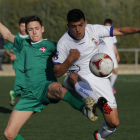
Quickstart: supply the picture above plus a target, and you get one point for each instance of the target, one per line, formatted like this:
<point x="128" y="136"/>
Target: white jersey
<point x="86" y="46"/>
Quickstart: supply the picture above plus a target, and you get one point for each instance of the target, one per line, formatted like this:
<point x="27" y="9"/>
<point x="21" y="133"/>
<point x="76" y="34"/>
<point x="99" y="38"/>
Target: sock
<point x="85" y="90"/>
<point x="19" y="137"/>
<point x="74" y="100"/>
<point x="106" y="130"/>
<point x="113" y="79"/>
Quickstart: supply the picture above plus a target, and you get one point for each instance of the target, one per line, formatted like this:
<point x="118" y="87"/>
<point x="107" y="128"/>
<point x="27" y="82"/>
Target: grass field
<point x="61" y="122"/>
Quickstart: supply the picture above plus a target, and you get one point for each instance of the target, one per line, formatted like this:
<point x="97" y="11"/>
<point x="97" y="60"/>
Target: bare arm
<point x="61" y="69"/>
<point x="117" y="54"/>
<point x="6" y="33"/>
<point x="125" y="30"/>
<point x="12" y="56"/>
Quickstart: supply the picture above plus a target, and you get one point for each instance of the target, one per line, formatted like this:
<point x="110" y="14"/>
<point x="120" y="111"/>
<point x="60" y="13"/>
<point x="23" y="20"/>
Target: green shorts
<point x="34" y="98"/>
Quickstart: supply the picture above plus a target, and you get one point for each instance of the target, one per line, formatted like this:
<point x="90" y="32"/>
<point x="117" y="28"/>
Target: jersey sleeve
<point x="8" y="46"/>
<point x="114" y="40"/>
<point x="18" y="44"/>
<point x="61" y="54"/>
<point x="102" y="31"/>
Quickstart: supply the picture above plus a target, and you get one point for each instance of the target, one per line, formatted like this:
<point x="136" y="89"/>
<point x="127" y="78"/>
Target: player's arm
<point x="12" y="56"/>
<point x="6" y="33"/>
<point x="61" y="69"/>
<point x="125" y="30"/>
<point x="117" y="54"/>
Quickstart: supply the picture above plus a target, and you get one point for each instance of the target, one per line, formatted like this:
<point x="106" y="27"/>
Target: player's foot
<point x="114" y="91"/>
<point x="97" y="136"/>
<point x="90" y="109"/>
<point x="103" y="106"/>
<point x="12" y="99"/>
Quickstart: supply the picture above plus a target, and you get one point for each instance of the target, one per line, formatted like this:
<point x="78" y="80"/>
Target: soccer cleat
<point x="12" y="99"/>
<point x="90" y="109"/>
<point x="103" y="106"/>
<point x="97" y="136"/>
<point x="114" y="91"/>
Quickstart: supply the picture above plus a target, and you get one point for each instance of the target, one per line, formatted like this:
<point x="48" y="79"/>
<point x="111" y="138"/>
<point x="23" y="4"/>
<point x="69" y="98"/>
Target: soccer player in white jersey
<point x="74" y="50"/>
<point x="113" y="53"/>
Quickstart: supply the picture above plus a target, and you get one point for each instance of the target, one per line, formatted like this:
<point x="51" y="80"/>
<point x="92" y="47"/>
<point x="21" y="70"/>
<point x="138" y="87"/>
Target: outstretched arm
<point x="6" y="33"/>
<point x="125" y="30"/>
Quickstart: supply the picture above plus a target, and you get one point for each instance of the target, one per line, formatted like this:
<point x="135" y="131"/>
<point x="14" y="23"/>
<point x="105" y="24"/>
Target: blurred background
<point x="61" y="122"/>
<point x="53" y="14"/>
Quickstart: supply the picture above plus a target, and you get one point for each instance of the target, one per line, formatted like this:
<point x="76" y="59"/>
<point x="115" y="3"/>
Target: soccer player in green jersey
<point x="17" y="63"/>
<point x="41" y="87"/>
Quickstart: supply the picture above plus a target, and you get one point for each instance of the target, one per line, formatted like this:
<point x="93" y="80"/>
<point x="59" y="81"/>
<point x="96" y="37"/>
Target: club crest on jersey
<point x="96" y="42"/>
<point x="43" y="49"/>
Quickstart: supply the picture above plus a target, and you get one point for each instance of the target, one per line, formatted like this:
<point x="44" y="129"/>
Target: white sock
<point x="106" y="130"/>
<point x="113" y="79"/>
<point x="85" y="90"/>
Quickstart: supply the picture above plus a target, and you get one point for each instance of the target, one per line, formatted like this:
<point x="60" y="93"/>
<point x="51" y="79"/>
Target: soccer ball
<point x="101" y="65"/>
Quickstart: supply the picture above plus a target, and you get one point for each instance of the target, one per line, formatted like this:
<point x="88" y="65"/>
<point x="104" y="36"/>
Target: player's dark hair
<point x="31" y="19"/>
<point x="108" y="20"/>
<point x="22" y="20"/>
<point x="75" y="15"/>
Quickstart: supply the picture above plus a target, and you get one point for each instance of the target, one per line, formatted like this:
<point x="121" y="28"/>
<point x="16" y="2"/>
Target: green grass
<point x="61" y="122"/>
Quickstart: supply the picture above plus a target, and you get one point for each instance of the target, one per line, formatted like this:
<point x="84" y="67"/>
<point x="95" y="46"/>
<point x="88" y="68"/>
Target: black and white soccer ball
<point x="101" y="65"/>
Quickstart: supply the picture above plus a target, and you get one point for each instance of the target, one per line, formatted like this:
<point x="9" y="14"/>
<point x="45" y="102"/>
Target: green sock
<point x="19" y="137"/>
<point x="74" y="100"/>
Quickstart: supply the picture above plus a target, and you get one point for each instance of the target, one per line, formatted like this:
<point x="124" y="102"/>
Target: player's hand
<point x="13" y="57"/>
<point x="74" y="54"/>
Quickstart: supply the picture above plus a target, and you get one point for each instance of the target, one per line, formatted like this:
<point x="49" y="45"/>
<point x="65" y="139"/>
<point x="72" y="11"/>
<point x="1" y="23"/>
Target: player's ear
<point x="68" y="25"/>
<point x="42" y="28"/>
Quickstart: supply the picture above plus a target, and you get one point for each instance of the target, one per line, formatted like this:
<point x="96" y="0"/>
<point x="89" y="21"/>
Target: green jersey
<point x="17" y="64"/>
<point x="38" y="64"/>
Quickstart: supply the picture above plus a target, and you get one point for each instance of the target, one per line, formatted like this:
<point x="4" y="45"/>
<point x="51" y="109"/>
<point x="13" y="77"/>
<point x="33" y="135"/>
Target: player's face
<point x="77" y="28"/>
<point x="22" y="28"/>
<point x="35" y="31"/>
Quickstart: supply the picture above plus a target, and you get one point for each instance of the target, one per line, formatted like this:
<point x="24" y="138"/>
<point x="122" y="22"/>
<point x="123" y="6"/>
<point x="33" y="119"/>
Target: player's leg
<point x="58" y="92"/>
<point x="16" y="121"/>
<point x="19" y="80"/>
<point x="103" y="88"/>
<point x="75" y="82"/>
<point x="108" y="126"/>
<point x="81" y="86"/>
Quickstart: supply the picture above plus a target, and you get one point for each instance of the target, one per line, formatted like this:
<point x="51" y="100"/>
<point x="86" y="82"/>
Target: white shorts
<point x="115" y="63"/>
<point x="100" y="86"/>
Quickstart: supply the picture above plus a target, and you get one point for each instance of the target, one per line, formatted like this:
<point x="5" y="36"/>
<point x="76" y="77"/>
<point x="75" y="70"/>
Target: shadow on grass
<point x="5" y="110"/>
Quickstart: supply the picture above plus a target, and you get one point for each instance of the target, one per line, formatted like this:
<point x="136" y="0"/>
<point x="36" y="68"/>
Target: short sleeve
<point x="102" y="31"/>
<point x="61" y="54"/>
<point x="8" y="46"/>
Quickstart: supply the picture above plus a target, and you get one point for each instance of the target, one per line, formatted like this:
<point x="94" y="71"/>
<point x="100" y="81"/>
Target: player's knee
<point x="113" y="123"/>
<point x="73" y="77"/>
<point x="9" y="135"/>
